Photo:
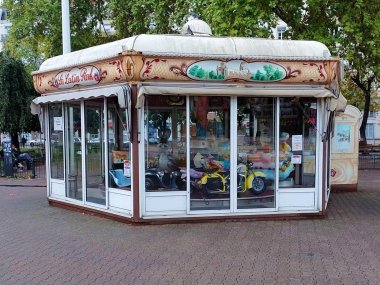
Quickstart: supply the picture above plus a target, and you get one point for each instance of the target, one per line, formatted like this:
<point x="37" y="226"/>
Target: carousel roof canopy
<point x="193" y="46"/>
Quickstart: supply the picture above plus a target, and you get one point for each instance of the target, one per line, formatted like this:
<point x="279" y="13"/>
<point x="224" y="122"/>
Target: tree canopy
<point x="16" y="94"/>
<point x="36" y="32"/>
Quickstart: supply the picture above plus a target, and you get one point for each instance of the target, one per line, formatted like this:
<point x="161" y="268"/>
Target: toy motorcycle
<point x="155" y="178"/>
<point x="251" y="179"/>
<point x="215" y="182"/>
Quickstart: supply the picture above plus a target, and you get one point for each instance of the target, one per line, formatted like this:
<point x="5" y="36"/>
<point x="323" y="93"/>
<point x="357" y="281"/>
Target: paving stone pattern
<point x="40" y="244"/>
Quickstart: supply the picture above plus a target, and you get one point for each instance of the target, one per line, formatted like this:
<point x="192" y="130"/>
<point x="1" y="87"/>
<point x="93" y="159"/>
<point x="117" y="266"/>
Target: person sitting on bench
<point x="20" y="157"/>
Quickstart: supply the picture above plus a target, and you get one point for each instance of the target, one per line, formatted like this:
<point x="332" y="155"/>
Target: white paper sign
<point x="296" y="142"/>
<point x="127" y="168"/>
<point x="58" y="126"/>
<point x="296" y="159"/>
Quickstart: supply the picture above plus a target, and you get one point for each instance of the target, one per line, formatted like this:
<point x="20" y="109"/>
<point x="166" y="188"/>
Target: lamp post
<point x="66" y="42"/>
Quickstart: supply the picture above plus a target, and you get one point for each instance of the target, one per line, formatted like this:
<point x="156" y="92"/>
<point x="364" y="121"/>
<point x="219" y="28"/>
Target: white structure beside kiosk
<point x="345" y="150"/>
<point x="159" y="128"/>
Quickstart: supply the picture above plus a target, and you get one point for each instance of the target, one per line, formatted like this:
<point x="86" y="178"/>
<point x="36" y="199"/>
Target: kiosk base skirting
<point x="180" y="220"/>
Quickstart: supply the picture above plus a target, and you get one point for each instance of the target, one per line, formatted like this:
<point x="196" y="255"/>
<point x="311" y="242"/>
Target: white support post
<point x="66" y="42"/>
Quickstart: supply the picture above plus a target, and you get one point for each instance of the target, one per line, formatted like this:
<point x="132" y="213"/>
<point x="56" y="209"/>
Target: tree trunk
<point x="14" y="139"/>
<point x="365" y="86"/>
<point x="367" y="98"/>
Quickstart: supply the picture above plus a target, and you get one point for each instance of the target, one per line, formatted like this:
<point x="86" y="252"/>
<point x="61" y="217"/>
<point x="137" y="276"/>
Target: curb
<point x="20" y="185"/>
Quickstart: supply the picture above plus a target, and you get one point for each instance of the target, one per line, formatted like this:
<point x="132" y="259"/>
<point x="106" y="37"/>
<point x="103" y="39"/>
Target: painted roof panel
<point x="179" y="45"/>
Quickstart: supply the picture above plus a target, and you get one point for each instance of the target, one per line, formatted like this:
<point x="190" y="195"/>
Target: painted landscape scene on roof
<point x="236" y="69"/>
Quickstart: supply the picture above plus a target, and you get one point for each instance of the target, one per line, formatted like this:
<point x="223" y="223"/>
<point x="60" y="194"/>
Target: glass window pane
<point x="119" y="155"/>
<point x="298" y="136"/>
<point x="210" y="153"/>
<point x="369" y="131"/>
<point x="56" y="141"/>
<point x="74" y="151"/>
<point x="95" y="182"/>
<point x="165" y="143"/>
<point x="256" y="153"/>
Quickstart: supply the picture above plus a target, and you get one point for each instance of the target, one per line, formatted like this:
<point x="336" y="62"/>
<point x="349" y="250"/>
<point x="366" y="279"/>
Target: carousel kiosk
<point x="158" y="128"/>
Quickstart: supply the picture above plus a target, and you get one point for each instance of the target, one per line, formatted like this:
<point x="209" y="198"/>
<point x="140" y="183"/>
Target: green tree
<point x="193" y="70"/>
<point x="259" y="75"/>
<point x="359" y="45"/>
<point x="135" y="17"/>
<point x="355" y="96"/>
<point x="16" y="94"/>
<point x="36" y="32"/>
<point x="201" y="73"/>
<point x="226" y="17"/>
<point x="241" y="18"/>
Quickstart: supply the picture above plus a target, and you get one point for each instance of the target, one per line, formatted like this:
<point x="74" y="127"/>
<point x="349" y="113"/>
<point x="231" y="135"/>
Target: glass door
<point x="73" y="151"/>
<point x="56" y="141"/>
<point x="165" y="146"/>
<point x="298" y="137"/>
<point x="256" y="153"/>
<point x="95" y="164"/>
<point x="209" y="153"/>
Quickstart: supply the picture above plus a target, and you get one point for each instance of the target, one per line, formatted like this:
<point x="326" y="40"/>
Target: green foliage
<point x="212" y="75"/>
<point x="193" y="70"/>
<point x="259" y="76"/>
<point x="36" y="32"/>
<point x="134" y="17"/>
<point x="241" y="18"/>
<point x="356" y="97"/>
<point x="35" y="152"/>
<point x="16" y="94"/>
<point x="226" y="18"/>
<point x="271" y="73"/>
<point x="201" y="73"/>
<point x="86" y="20"/>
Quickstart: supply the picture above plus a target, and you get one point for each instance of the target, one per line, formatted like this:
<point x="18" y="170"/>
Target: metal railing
<point x="25" y="171"/>
<point x="370" y="160"/>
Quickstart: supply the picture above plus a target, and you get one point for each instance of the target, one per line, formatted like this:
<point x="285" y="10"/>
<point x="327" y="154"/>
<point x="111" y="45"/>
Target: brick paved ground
<point x="46" y="245"/>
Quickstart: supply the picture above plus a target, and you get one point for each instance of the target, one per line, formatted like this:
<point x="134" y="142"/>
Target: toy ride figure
<point x="167" y="175"/>
<point x="286" y="166"/>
